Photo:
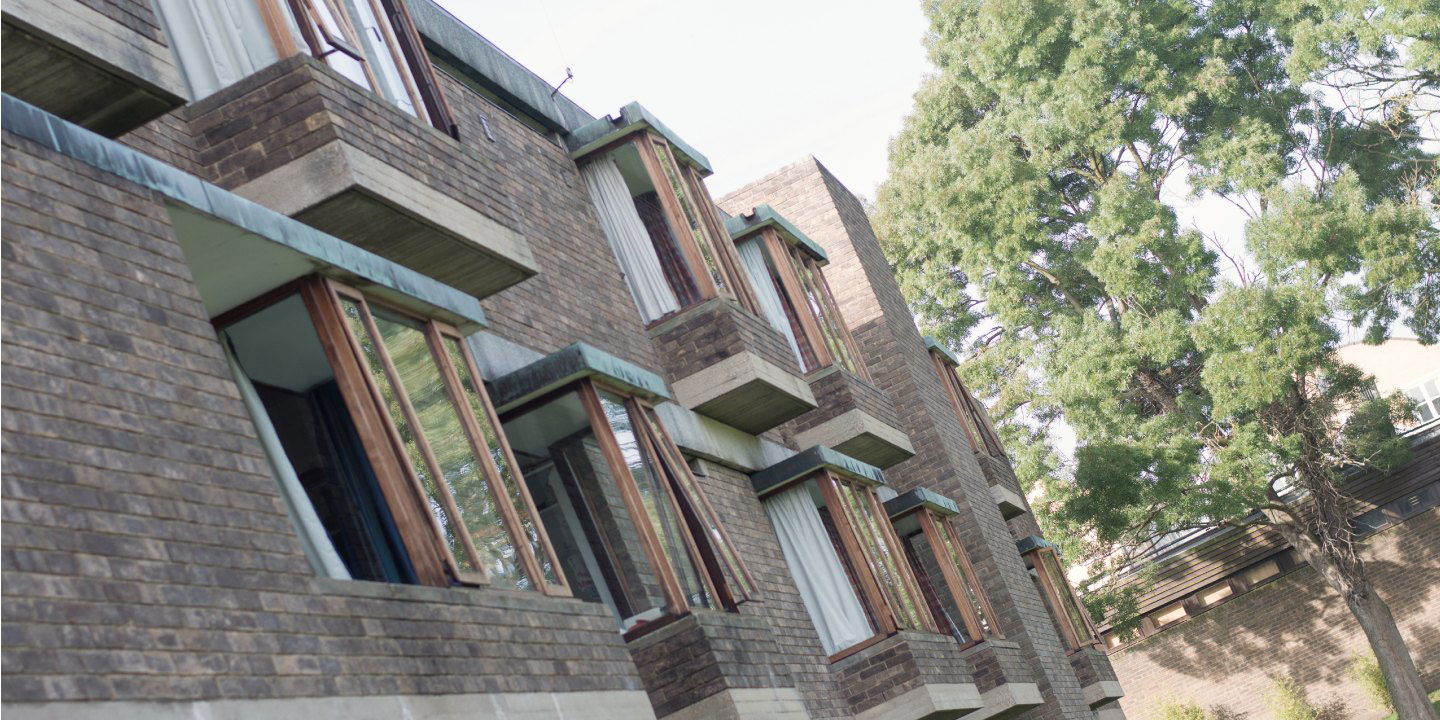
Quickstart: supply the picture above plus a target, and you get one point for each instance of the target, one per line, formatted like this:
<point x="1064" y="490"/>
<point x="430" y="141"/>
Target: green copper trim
<point x="763" y="216"/>
<point x="568" y="365"/>
<point x="800" y="466"/>
<point x="106" y="155"/>
<point x="633" y="118"/>
<point x="933" y="344"/>
<point x="1032" y="543"/>
<point x="918" y="498"/>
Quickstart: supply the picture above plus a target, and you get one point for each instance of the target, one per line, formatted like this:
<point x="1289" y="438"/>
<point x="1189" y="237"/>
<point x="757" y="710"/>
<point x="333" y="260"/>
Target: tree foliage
<point x="1031" y="212"/>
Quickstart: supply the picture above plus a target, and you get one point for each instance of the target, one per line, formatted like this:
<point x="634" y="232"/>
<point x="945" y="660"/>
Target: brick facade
<point x="149" y="556"/>
<point x="875" y="311"/>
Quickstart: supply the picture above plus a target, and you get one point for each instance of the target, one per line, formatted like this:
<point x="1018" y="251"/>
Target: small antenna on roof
<point x="568" y="77"/>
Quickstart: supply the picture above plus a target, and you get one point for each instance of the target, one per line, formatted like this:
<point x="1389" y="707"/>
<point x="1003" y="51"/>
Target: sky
<point x="752" y="84"/>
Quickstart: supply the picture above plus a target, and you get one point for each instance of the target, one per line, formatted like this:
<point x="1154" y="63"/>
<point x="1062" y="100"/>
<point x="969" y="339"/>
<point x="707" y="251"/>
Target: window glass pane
<point x="379" y="53"/>
<point x="331" y="25"/>
<point x="931" y="578"/>
<point x="445" y="433"/>
<point x="691" y="211"/>
<point x="735" y="576"/>
<point x="579" y="500"/>
<point x="407" y="434"/>
<point x="967" y="578"/>
<point x="826" y="317"/>
<point x="882" y="558"/>
<point x="656" y="500"/>
<point x="1065" y="600"/>
<point x="502" y="463"/>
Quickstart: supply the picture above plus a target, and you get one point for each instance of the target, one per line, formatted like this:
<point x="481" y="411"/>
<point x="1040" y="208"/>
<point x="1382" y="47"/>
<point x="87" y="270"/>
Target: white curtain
<point x="629" y="239"/>
<point x="752" y="256"/>
<point x="216" y="42"/>
<point x="828" y="595"/>
<point x="313" y="538"/>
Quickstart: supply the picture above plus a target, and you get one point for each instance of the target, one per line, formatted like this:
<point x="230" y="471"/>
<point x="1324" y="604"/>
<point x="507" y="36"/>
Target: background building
<point x="351" y="371"/>
<point x="1232" y="609"/>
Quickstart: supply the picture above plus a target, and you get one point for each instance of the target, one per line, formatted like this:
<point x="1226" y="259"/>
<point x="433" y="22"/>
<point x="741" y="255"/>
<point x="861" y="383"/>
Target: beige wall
<point x="1396" y="364"/>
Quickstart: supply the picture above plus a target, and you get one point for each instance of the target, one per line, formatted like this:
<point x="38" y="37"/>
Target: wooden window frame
<point x="683" y="495"/>
<point x="955" y="571"/>
<point x="1056" y="598"/>
<point x="403" y="491"/>
<point x="973" y="419"/>
<point x="800" y="277"/>
<point x="736" y="287"/>
<point x="882" y="597"/>
<point x="401" y="40"/>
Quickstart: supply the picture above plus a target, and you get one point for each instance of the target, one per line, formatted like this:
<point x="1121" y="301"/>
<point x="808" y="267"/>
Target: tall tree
<point x="1039" y="176"/>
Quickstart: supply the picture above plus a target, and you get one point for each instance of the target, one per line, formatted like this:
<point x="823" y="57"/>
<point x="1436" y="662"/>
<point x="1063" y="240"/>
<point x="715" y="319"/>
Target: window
<point x="385" y="420"/>
<point x="663" y="225"/>
<point x="808" y="314"/>
<point x="847" y="561"/>
<point x="978" y="430"/>
<point x="1425" y="399"/>
<point x="946" y="577"/>
<point x="632" y="528"/>
<point x="371" y="42"/>
<point x="1070" y="616"/>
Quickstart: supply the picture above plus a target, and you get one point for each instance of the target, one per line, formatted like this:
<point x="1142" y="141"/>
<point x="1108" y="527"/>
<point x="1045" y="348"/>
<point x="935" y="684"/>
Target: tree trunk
<point x="1373" y="614"/>
<point x="1406" y="692"/>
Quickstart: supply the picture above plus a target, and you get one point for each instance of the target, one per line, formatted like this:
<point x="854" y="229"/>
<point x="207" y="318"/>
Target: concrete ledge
<point x="1113" y="712"/>
<point x="928" y="702"/>
<point x="71" y="60"/>
<point x="746" y="704"/>
<point x="1007" y="700"/>
<point x="359" y="198"/>
<point x="600" y="705"/>
<point x="1011" y="504"/>
<point x="861" y="436"/>
<point x="1099" y="693"/>
<point x="746" y="392"/>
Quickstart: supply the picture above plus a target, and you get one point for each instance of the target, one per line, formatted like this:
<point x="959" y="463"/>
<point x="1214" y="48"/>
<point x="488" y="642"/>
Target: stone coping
<point x="633" y="118"/>
<point x="933" y="344"/>
<point x="569" y="364"/>
<point x="763" y="216"/>
<point x="805" y="463"/>
<point x="1031" y="543"/>
<point x="920" y="497"/>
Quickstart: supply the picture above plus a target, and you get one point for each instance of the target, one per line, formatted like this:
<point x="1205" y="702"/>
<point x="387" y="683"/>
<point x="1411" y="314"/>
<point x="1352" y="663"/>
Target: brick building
<point x="1228" y="611"/>
<point x="352" y="372"/>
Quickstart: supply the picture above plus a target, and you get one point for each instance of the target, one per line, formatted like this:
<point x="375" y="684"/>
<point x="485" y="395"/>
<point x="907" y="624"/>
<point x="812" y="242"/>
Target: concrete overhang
<point x="568" y="365"/>
<point x="763" y="216"/>
<point x="237" y="248"/>
<point x="633" y="118"/>
<point x="802" y="465"/>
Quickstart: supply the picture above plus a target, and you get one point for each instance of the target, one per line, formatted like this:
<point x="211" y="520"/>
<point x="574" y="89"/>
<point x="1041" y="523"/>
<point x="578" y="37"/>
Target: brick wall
<point x="714" y="330"/>
<point x="837" y="392"/>
<point x="897" y="665"/>
<point x="160" y="565"/>
<point x="704" y="653"/>
<point x="1296" y="626"/>
<point x="875" y="311"/>
<point x="796" y="642"/>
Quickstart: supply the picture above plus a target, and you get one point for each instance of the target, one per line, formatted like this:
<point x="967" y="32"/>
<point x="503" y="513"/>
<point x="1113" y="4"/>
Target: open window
<point x="978" y="429"/>
<point x="1070" y="616"/>
<point x="371" y="42"/>
<point x="785" y="268"/>
<point x="631" y="525"/>
<point x="659" y="218"/>
<point x="947" y="580"/>
<point x="385" y="420"/>
<point x="847" y="561"/>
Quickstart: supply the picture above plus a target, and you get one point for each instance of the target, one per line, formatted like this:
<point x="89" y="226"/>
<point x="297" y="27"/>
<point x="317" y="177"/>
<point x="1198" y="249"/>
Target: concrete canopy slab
<point x="1011" y="504"/>
<point x="73" y="61"/>
<point x="1099" y="693"/>
<point x="747" y="392"/>
<point x="746" y="704"/>
<point x="1007" y="700"/>
<point x="861" y="436"/>
<point x="360" y="198"/>
<point x="920" y="497"/>
<point x="928" y="702"/>
<point x="763" y="216"/>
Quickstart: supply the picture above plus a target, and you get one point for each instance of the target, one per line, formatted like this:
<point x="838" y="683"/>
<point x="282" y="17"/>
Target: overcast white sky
<point x="752" y="84"/>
